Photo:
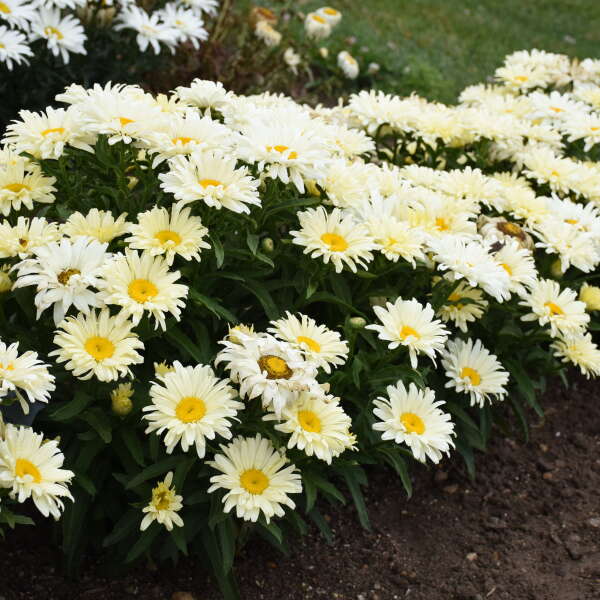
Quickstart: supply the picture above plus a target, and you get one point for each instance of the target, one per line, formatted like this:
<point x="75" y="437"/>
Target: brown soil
<point x="527" y="529"/>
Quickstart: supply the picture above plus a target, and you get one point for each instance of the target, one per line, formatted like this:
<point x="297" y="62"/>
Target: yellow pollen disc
<point x="281" y="149"/>
<point x="319" y="19"/>
<point x="556" y="109"/>
<point x="182" y="140"/>
<point x="162" y="499"/>
<point x="554" y="308"/>
<point x="330" y="11"/>
<point x="8" y="367"/>
<point x="16" y="187"/>
<point x="4" y="9"/>
<point x="412" y="423"/>
<point x="25" y="467"/>
<point x="441" y="224"/>
<point x="594" y="128"/>
<point x="23" y="242"/>
<point x="142" y="290"/>
<point x="506" y="268"/>
<point x="165" y="236"/>
<point x="336" y="243"/>
<point x="275" y="367"/>
<point x="314" y="346"/>
<point x="2" y="45"/>
<point x="511" y="229"/>
<point x="309" y="421"/>
<point x="53" y="130"/>
<point x="99" y="347"/>
<point x="521" y="78"/>
<point x="472" y="374"/>
<point x="254" y="481"/>
<point x="63" y="278"/>
<point x="454" y="297"/>
<point x="209" y="182"/>
<point x="408" y="331"/>
<point x="571" y="221"/>
<point x="554" y="173"/>
<point x="125" y="121"/>
<point x="190" y="409"/>
<point x="53" y="31"/>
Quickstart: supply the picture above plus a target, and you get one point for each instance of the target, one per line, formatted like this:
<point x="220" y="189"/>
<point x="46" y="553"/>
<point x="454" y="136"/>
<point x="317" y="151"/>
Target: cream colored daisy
<point x="31" y="468"/>
<point x="98" y="224"/>
<point x="120" y="399"/>
<point x="97" y="345"/>
<point x="21" y="239"/>
<point x="22" y="185"/>
<point x="410" y="324"/>
<point x="64" y="273"/>
<point x="335" y="237"/>
<point x="473" y="370"/>
<point x="162" y="368"/>
<point x="213" y="178"/>
<point x="164" y="506"/>
<point x="24" y="373"/>
<point x="459" y="312"/>
<point x="518" y="262"/>
<point x="317" y="26"/>
<point x="191" y="405"/>
<point x="319" y="344"/>
<point x="317" y="425"/>
<point x="579" y="349"/>
<point x="266" y="367"/>
<point x="558" y="308"/>
<point x="169" y="234"/>
<point x="142" y="283"/>
<point x="255" y="477"/>
<point x="397" y="239"/>
<point x="412" y="417"/>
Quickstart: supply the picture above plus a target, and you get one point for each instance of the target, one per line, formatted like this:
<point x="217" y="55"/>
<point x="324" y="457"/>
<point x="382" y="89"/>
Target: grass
<point x="438" y="47"/>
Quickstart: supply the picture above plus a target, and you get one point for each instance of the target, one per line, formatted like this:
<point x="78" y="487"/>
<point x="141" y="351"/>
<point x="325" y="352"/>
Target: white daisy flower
<point x="13" y="47"/>
<point x="317" y="425"/>
<point x="560" y="309"/>
<point x="331" y="15"/>
<point x="63" y="273"/>
<point x="141" y="283"/>
<point x="461" y="313"/>
<point x="191" y="405"/>
<point x="151" y="31"/>
<point x="97" y="224"/>
<point x="163" y="233"/>
<point x="24" y="373"/>
<point x="263" y="366"/>
<point x="336" y="237"/>
<point x="17" y="13"/>
<point x="63" y="35"/>
<point x="397" y="239"/>
<point x="518" y="262"/>
<point x="203" y="93"/>
<point x="317" y="26"/>
<point x="412" y="417"/>
<point x="97" y="345"/>
<point x="348" y="64"/>
<point x="164" y="506"/>
<point x="255" y="477"/>
<point x="31" y="468"/>
<point x="212" y="178"/>
<point x="21" y="239"/>
<point x="186" y="21"/>
<point x="408" y="323"/>
<point x="21" y="184"/>
<point x="579" y="349"/>
<point x="319" y="344"/>
<point x="473" y="370"/>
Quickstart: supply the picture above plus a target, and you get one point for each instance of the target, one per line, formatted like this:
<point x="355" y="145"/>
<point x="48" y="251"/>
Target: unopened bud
<point x="357" y="322"/>
<point x="121" y="399"/>
<point x="590" y="294"/>
<point x="268" y="245"/>
<point x="556" y="269"/>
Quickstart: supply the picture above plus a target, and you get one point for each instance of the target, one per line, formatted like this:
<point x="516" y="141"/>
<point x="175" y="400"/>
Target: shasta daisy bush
<point x="230" y="305"/>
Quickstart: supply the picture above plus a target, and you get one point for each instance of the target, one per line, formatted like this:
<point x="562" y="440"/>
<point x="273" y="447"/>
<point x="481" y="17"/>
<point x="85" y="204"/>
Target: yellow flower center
<point x="281" y="149"/>
<point x="2" y="45"/>
<point x="190" y="409"/>
<point x="556" y="109"/>
<point x="99" y="347"/>
<point x="52" y="130"/>
<point x="63" y="278"/>
<point x="319" y="19"/>
<point x="165" y="236"/>
<point x="162" y="498"/>
<point x="521" y="78"/>
<point x="25" y="467"/>
<point x="209" y="182"/>
<point x="594" y="128"/>
<point x="454" y="297"/>
<point x="275" y="367"/>
<point x="506" y="268"/>
<point x="182" y="140"/>
<point x="309" y="421"/>
<point x="441" y="224"/>
<point x="53" y="31"/>
<point x="17" y="187"/>
<point x="4" y="9"/>
<point x="125" y="121"/>
<point x="554" y="173"/>
<point x="571" y="221"/>
<point x="314" y="346"/>
<point x="511" y="229"/>
<point x="9" y="367"/>
<point x="471" y="374"/>
<point x="330" y="11"/>
<point x="254" y="481"/>
<point x="142" y="290"/>
<point x="336" y="243"/>
<point x="554" y="308"/>
<point x="412" y="423"/>
<point x="408" y="331"/>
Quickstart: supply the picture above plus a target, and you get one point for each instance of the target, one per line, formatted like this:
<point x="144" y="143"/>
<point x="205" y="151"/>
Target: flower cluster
<point x="241" y="295"/>
<point x="61" y="25"/>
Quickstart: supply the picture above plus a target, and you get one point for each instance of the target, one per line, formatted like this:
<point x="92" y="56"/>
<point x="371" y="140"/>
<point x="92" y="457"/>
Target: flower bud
<point x="267" y="244"/>
<point x="590" y="294"/>
<point x="357" y="322"/>
<point x="6" y="282"/>
<point x="121" y="399"/>
<point x="556" y="269"/>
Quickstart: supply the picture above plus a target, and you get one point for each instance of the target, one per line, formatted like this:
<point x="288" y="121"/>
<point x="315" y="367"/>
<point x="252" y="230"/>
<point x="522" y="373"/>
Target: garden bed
<point x="527" y="528"/>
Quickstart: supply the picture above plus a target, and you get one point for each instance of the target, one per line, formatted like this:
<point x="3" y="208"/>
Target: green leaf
<point x="178" y="535"/>
<point x="397" y="463"/>
<point x="218" y="250"/>
<point x="133" y="444"/>
<point x="128" y="523"/>
<point x="352" y="478"/>
<point x="182" y="342"/>
<point x="144" y="542"/>
<point x="153" y="471"/>
<point x="213" y="306"/>
<point x="252" y="241"/>
<point x="68" y="410"/>
<point x="99" y="421"/>
<point x="227" y="537"/>
<point x="322" y="524"/>
<point x="524" y="385"/>
<point x="264" y="297"/>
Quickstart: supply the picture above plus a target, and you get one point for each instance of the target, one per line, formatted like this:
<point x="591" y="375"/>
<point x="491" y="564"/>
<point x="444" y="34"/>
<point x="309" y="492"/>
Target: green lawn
<point x="437" y="47"/>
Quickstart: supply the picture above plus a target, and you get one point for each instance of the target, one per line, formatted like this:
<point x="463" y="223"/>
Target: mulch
<point x="528" y="528"/>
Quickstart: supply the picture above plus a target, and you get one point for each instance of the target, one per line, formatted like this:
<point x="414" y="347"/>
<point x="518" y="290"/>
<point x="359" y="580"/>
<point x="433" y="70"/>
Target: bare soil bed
<point x="528" y="528"/>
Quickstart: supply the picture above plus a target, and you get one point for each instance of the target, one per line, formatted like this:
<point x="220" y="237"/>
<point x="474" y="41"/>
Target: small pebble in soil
<point x="594" y="522"/>
<point x="471" y="556"/>
<point x="451" y="489"/>
<point x="182" y="596"/>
